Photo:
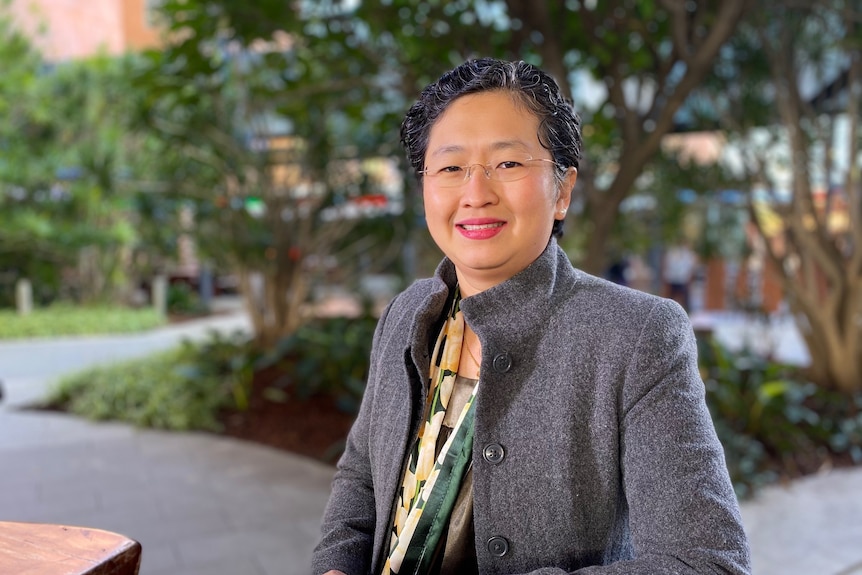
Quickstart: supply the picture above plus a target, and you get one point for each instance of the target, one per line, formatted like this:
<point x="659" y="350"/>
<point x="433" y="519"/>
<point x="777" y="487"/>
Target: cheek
<point x="435" y="206"/>
<point x="543" y="199"/>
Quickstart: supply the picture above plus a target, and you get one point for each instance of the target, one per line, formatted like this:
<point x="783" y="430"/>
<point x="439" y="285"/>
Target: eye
<point x="507" y="165"/>
<point x="450" y="170"/>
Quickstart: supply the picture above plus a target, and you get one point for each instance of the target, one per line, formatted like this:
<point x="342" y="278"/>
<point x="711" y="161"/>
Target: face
<point x="491" y="230"/>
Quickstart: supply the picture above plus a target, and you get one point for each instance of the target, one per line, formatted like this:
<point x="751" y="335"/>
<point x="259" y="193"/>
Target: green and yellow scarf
<point x="430" y="485"/>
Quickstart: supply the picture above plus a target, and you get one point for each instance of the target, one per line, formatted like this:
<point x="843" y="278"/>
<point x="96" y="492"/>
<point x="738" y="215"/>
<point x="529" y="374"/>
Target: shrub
<point x="181" y="389"/>
<point x="188" y="387"/>
<point x="183" y="299"/>
<point x="328" y="356"/>
<point x="772" y="422"/>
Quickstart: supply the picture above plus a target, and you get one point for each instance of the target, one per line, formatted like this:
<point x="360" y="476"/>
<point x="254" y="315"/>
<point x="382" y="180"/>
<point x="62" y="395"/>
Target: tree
<point x="359" y="61"/>
<point x="649" y="56"/>
<point x="793" y="79"/>
<point x="262" y="135"/>
<point x="63" y="155"/>
<point x="641" y="58"/>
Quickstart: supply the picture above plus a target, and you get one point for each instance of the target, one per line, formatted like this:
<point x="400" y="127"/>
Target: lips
<point x="480" y="228"/>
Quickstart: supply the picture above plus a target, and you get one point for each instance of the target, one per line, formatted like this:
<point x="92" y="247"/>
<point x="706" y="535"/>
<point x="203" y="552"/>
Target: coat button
<point x="498" y="546"/>
<point x="502" y="362"/>
<point x="494" y="453"/>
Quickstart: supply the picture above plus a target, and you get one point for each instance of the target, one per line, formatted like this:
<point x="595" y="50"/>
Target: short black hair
<point x="559" y="124"/>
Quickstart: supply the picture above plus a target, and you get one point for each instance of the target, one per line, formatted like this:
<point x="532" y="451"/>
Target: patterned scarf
<point x="430" y="485"/>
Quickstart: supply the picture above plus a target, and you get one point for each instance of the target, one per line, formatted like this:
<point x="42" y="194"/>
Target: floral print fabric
<point x="430" y="484"/>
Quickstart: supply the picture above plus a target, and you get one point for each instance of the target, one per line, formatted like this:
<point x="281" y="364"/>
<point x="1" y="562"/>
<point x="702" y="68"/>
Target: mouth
<point x="480" y="228"/>
<point x="476" y="227"/>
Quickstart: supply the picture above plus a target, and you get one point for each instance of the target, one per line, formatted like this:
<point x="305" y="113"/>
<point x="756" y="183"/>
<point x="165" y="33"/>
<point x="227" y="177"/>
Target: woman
<point x="520" y="415"/>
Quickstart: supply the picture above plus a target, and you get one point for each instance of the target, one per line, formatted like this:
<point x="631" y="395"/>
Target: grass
<point x="60" y="320"/>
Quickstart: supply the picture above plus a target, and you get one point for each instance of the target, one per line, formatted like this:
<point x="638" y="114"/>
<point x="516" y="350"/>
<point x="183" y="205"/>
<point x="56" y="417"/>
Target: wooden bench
<point x="47" y="549"/>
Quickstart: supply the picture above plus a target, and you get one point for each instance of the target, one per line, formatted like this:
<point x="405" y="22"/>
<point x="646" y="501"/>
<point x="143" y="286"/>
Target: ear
<point x="565" y="196"/>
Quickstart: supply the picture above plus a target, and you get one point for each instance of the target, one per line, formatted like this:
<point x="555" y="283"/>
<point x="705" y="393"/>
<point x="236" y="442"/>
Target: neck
<point x="470" y="285"/>
<point x="471" y="354"/>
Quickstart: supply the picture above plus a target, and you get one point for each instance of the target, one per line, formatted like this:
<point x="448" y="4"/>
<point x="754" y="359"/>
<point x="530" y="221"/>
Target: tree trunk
<point x="252" y="297"/>
<point x="833" y="346"/>
<point x="604" y="206"/>
<point x="274" y="302"/>
<point x="827" y="310"/>
<point x="91" y="279"/>
<point x="824" y="288"/>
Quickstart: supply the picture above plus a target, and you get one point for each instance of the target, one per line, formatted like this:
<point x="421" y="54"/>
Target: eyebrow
<point x="495" y="147"/>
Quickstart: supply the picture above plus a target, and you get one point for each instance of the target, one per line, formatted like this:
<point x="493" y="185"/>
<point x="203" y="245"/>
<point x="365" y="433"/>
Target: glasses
<point x="510" y="170"/>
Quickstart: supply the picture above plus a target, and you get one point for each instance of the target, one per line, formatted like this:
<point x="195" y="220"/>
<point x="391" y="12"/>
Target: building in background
<point x="71" y="29"/>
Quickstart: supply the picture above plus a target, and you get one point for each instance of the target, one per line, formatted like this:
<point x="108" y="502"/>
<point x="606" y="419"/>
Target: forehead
<point x="484" y="122"/>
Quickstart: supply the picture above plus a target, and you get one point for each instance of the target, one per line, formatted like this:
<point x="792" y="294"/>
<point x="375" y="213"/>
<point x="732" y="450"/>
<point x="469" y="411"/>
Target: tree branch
<point x="806" y="223"/>
<point x="852" y="180"/>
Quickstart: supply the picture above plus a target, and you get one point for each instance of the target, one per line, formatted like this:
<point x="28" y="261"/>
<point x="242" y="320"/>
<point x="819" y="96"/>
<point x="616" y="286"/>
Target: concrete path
<point x="811" y="527"/>
<point x="202" y="504"/>
<point x="198" y="503"/>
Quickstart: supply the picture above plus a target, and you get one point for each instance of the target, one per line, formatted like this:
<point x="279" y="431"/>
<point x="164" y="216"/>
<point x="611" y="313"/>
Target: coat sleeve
<point x="683" y="514"/>
<point x="348" y="521"/>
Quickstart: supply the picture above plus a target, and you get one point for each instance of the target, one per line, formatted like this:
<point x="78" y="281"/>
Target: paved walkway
<point x="198" y="503"/>
<point x="202" y="504"/>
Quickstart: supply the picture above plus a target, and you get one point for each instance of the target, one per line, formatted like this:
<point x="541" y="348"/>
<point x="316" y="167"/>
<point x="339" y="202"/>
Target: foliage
<point x="789" y="98"/>
<point x="188" y="387"/>
<point x="23" y="248"/>
<point x="265" y="143"/>
<point x="631" y="66"/>
<point x="329" y="356"/>
<point x="63" y="319"/>
<point x="628" y="65"/>
<point x="228" y="359"/>
<point x="772" y="423"/>
<point x="64" y="219"/>
<point x="184" y="300"/>
<point x="181" y="389"/>
<point x="678" y="199"/>
<point x="314" y="92"/>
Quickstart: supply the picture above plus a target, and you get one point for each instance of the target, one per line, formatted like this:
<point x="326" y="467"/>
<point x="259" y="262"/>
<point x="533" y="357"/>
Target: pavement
<point x="204" y="504"/>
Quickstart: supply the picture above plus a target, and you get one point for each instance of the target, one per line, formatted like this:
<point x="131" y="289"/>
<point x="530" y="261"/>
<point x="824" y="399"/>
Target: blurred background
<point x="163" y="161"/>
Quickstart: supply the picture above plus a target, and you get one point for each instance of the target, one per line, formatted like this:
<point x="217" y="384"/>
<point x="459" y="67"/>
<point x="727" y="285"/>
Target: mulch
<point x="314" y="427"/>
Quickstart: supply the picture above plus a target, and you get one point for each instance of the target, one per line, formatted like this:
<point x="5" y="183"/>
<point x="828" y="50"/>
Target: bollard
<point x="23" y="296"/>
<point x="206" y="287"/>
<point x="160" y="294"/>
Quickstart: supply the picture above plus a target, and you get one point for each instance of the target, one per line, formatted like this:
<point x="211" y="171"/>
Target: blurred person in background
<point x="522" y="416"/>
<point x="678" y="268"/>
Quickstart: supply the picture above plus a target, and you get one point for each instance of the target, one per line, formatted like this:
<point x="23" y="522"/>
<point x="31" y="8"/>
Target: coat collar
<point x="529" y="294"/>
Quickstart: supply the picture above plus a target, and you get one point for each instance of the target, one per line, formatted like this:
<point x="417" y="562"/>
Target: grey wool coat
<point x="594" y="451"/>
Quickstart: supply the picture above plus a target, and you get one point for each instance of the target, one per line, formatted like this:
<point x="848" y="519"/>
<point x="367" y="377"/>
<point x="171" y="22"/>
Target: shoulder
<point x="603" y="308"/>
<point x="423" y="292"/>
<point x="414" y="296"/>
<point x="591" y="291"/>
<point x="417" y="305"/>
<point x="419" y="290"/>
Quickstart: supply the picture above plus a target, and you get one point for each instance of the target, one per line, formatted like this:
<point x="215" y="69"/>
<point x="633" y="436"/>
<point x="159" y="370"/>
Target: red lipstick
<point x="480" y="228"/>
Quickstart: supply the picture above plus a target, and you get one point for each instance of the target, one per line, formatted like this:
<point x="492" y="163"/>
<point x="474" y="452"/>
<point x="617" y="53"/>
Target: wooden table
<point x="47" y="549"/>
